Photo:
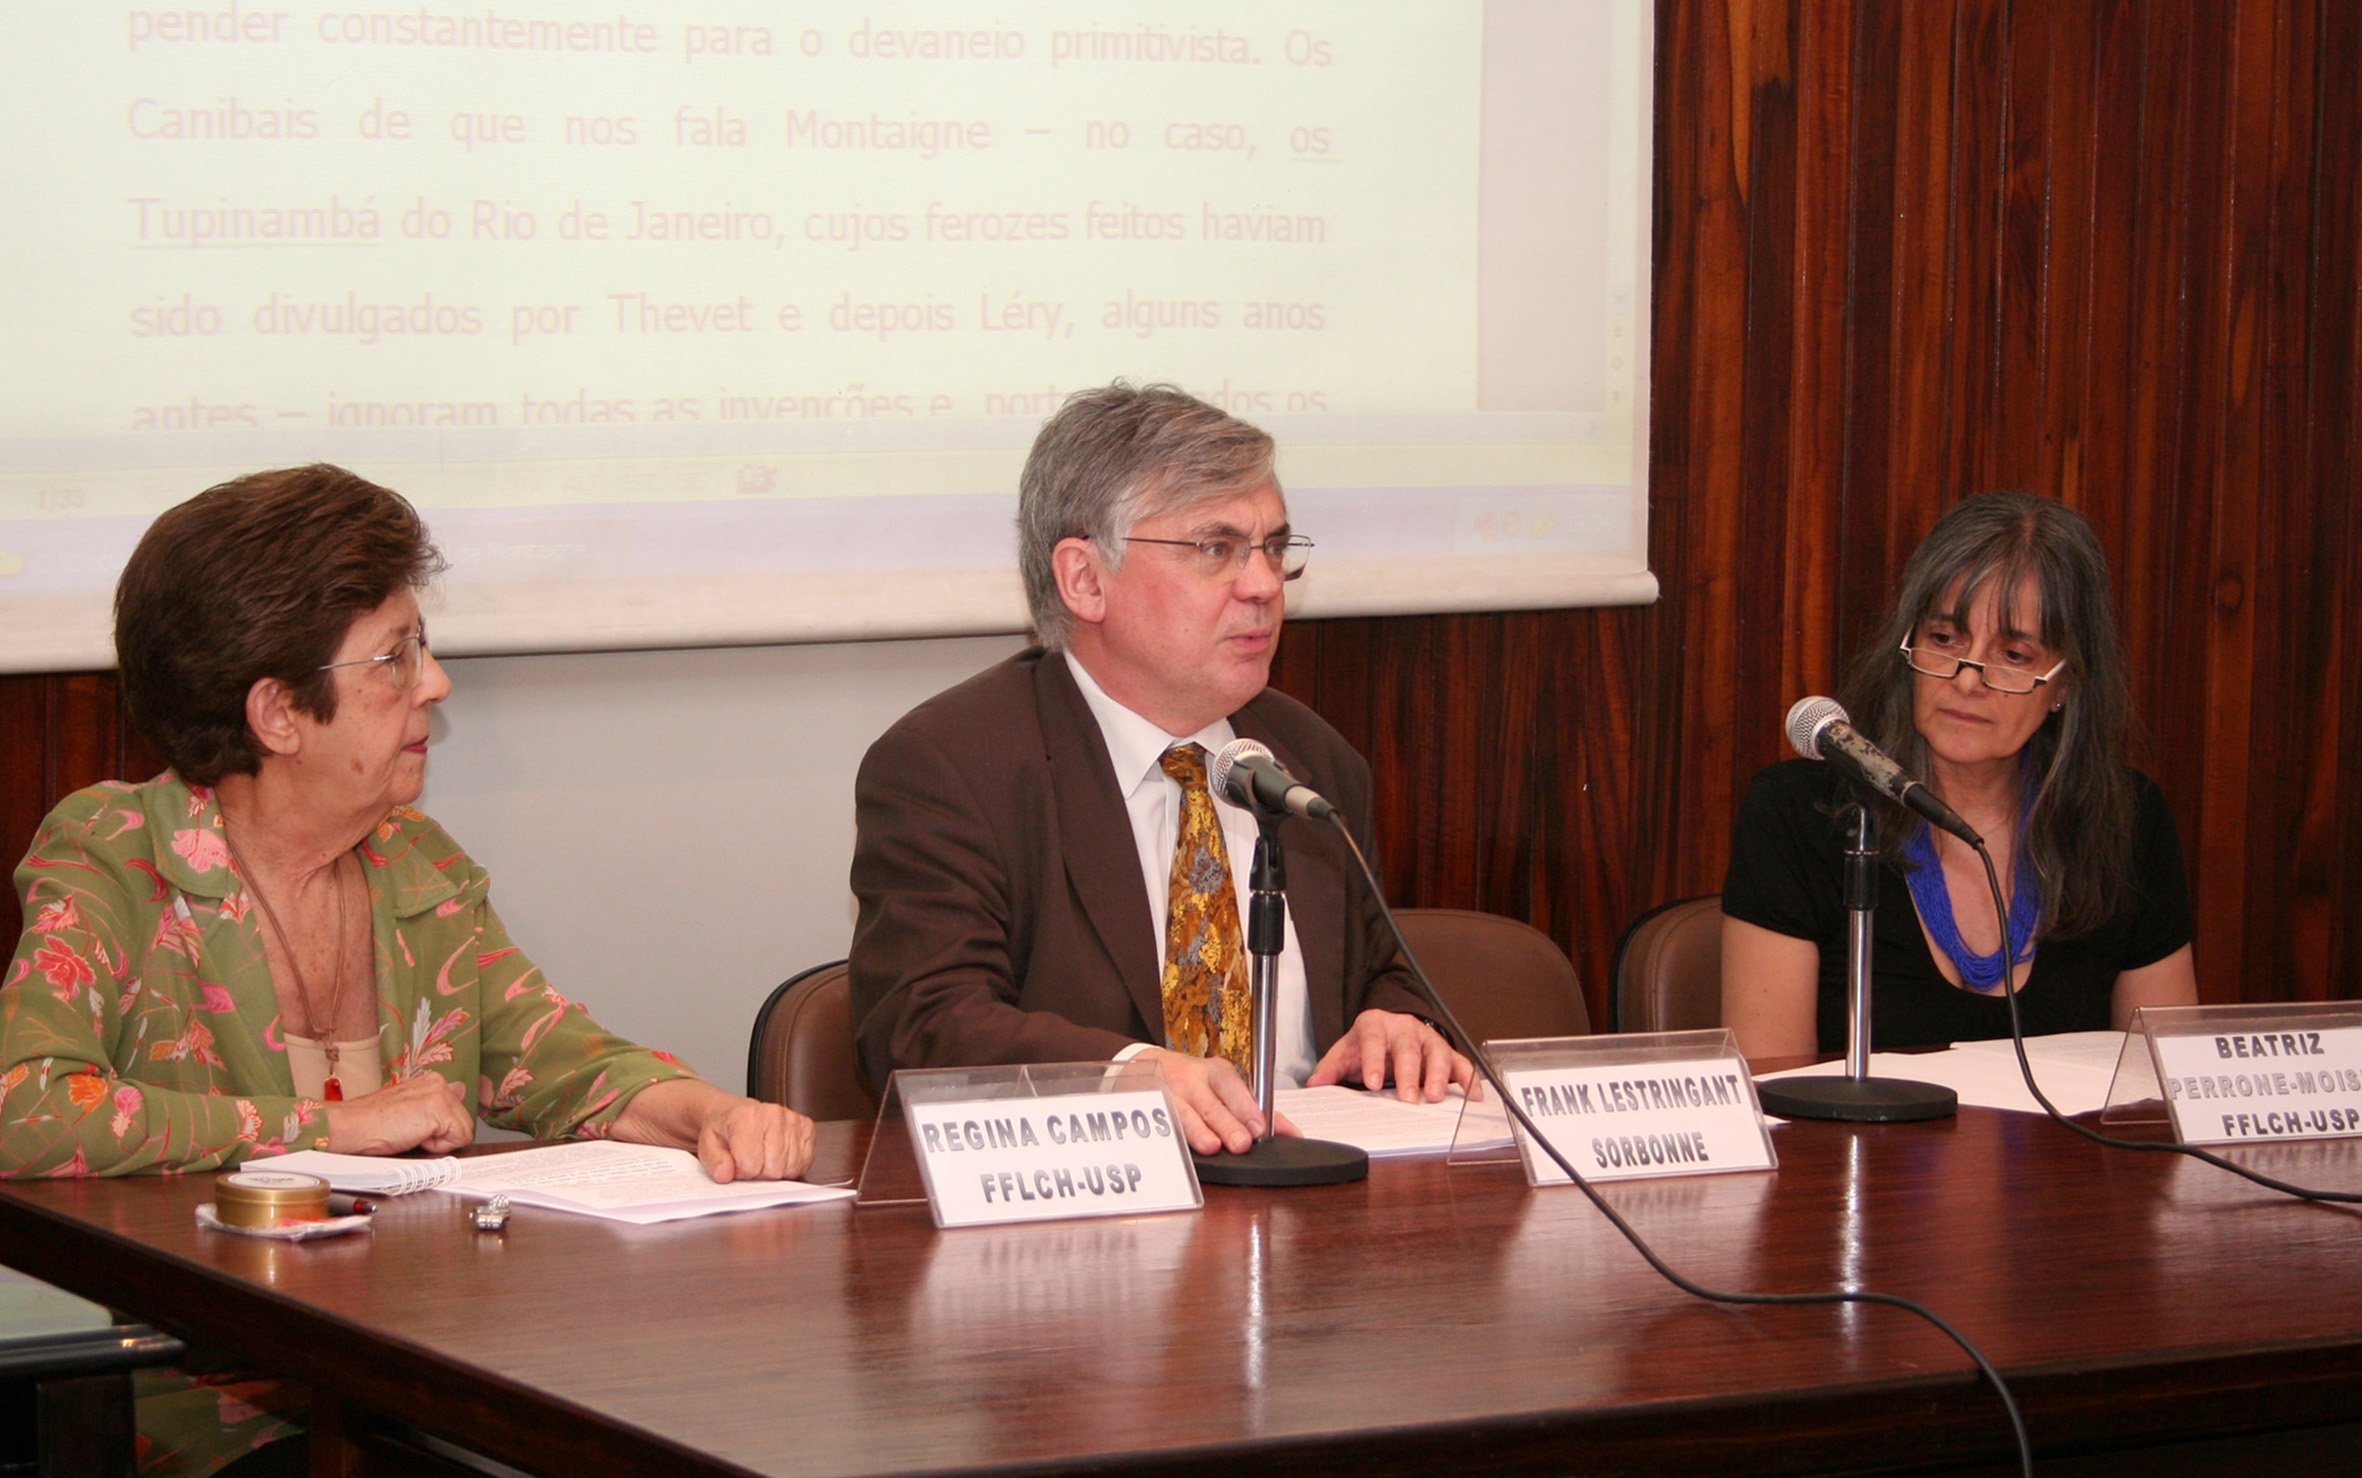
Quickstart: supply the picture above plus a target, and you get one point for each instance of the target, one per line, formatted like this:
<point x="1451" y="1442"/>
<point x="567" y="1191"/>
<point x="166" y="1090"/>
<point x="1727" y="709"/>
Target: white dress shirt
<point x="1153" y="800"/>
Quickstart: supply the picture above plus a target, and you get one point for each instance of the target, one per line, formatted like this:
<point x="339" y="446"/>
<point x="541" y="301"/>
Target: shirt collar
<point x="1136" y="746"/>
<point x="193" y="854"/>
<point x="192" y="850"/>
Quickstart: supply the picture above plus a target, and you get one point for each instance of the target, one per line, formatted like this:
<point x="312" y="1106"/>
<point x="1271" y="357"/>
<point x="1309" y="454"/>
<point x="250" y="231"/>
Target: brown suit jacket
<point x="1002" y="913"/>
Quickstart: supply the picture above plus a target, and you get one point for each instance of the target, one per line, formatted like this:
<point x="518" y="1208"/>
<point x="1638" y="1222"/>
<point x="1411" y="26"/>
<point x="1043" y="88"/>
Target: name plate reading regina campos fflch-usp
<point x="1047" y="1142"/>
<point x="1634" y="1107"/>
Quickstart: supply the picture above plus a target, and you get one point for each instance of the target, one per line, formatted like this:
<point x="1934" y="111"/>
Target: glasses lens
<point x="1931" y="664"/>
<point x="404" y="661"/>
<point x="2009" y="680"/>
<point x="1293" y="553"/>
<point x="1219" y="559"/>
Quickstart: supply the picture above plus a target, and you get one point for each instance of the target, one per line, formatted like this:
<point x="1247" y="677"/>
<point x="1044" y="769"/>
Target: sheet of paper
<point x="625" y="1182"/>
<point x="1381" y="1124"/>
<point x="2074" y="1069"/>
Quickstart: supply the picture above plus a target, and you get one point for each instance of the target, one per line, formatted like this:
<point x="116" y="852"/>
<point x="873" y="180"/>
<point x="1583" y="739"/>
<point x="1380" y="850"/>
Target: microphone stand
<point x="1857" y="1097"/>
<point x="1267" y="933"/>
<point x="1273" y="1160"/>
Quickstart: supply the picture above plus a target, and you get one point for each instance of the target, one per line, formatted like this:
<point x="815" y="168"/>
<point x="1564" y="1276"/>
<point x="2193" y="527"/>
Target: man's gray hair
<point x="1112" y="458"/>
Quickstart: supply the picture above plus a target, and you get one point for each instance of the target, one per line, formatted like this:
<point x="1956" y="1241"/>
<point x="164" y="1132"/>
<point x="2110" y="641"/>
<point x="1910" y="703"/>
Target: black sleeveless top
<point x="1786" y="875"/>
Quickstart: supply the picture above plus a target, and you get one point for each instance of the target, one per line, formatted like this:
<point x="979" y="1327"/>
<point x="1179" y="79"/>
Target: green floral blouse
<point x="139" y="1030"/>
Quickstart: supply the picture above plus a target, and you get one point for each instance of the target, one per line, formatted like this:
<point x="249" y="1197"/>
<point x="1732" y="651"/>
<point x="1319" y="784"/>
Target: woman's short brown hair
<point x="258" y="577"/>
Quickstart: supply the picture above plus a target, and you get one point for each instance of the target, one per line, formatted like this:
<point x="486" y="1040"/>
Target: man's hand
<point x="1423" y="1064"/>
<point x="422" y="1112"/>
<point x="1217" y="1109"/>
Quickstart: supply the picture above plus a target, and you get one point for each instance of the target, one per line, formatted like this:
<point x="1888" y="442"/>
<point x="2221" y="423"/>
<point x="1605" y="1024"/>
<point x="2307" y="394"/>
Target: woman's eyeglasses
<point x="1999" y="678"/>
<point x="404" y="663"/>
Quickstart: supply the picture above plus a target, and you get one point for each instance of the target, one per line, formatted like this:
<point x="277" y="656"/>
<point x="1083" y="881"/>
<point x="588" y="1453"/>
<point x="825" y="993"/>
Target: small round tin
<point x="262" y="1198"/>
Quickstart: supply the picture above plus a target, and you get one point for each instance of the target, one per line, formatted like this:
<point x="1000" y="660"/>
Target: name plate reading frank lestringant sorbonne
<point x="1643" y="1109"/>
<point x="991" y="1160"/>
<point x="2248" y="1079"/>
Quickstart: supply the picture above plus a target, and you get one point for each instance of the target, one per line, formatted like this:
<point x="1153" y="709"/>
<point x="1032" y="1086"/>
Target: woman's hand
<point x="423" y="1112"/>
<point x="735" y="1138"/>
<point x="755" y="1141"/>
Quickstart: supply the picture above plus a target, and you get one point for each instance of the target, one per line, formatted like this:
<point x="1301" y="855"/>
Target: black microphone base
<point x="1284" y="1160"/>
<point x="1854" y="1100"/>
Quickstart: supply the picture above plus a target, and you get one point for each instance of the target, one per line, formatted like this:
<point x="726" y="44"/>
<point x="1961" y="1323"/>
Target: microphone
<point x="1819" y="729"/>
<point x="1245" y="774"/>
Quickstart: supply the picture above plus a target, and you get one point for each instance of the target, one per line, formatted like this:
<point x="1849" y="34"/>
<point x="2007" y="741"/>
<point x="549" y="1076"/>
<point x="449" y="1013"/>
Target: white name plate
<point x="2249" y="1080"/>
<point x="1641" y="1120"/>
<point x="993" y="1160"/>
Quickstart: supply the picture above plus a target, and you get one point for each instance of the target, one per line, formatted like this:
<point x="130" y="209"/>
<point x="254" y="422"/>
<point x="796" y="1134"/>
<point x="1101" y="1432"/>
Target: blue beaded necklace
<point x="1926" y="877"/>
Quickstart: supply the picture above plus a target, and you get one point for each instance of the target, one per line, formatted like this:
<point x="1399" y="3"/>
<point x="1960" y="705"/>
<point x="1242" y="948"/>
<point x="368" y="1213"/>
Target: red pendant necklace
<point x="332" y="1088"/>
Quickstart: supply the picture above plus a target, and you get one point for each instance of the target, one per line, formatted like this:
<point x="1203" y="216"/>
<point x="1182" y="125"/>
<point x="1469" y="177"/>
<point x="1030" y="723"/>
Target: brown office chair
<point x="1668" y="971"/>
<point x="802" y="1052"/>
<point x="1501" y="976"/>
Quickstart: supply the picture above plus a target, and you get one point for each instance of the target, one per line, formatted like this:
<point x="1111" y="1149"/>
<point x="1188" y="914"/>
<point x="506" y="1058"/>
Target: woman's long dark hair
<point x="2078" y="835"/>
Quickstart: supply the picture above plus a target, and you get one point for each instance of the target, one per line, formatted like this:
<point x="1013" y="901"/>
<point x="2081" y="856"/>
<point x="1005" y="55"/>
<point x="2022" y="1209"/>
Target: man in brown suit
<point x="1016" y="834"/>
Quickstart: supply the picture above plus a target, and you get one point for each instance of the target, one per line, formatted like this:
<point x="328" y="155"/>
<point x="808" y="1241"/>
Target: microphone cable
<point x="2017" y="1037"/>
<point x="1615" y="1219"/>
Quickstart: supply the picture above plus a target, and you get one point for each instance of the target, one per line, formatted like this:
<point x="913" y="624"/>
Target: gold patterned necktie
<point x="1208" y="1009"/>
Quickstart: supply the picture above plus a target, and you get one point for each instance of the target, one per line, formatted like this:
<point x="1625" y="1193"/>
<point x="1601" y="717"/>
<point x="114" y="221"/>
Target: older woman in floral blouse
<point x="265" y="948"/>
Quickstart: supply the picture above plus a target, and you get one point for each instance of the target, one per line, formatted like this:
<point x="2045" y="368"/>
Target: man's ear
<point x="1081" y="579"/>
<point x="270" y="713"/>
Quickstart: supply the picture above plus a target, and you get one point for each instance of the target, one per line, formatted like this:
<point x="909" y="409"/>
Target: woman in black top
<point x="1997" y="679"/>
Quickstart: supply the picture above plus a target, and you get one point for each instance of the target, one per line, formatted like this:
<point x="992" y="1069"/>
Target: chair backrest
<point x="802" y="1052"/>
<point x="1501" y="976"/>
<point x="1668" y="970"/>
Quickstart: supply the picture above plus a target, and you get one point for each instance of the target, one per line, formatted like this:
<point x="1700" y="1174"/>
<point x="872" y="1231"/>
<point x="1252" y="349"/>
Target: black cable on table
<point x="1640" y="1245"/>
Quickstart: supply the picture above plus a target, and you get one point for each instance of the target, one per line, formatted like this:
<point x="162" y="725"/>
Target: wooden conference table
<point x="1431" y="1318"/>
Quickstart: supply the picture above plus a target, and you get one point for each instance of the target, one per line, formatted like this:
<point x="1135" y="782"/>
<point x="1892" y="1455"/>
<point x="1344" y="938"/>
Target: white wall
<point x="669" y="832"/>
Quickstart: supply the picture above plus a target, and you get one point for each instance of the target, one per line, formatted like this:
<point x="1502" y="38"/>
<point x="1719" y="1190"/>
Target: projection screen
<point x="714" y="324"/>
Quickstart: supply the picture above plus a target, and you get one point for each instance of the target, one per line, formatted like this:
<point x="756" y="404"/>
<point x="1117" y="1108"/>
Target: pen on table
<point x="341" y="1204"/>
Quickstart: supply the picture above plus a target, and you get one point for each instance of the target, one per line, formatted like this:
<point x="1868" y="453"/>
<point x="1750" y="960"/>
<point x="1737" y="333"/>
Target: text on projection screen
<point x="683" y="331"/>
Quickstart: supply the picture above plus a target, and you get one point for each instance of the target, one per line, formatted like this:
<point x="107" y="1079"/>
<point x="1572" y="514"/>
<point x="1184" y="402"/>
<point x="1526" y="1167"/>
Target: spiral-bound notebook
<point x="597" y="1177"/>
<point x="372" y="1175"/>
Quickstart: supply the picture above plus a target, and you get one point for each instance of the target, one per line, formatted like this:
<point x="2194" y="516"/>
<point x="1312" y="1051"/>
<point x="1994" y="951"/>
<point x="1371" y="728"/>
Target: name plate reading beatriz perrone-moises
<point x="989" y="1156"/>
<point x="2236" y="1075"/>
<point x="1636" y="1107"/>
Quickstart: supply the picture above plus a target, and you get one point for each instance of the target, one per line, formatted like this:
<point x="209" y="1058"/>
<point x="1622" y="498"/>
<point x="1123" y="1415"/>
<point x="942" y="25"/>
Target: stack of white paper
<point x="594" y="1177"/>
<point x="1380" y="1124"/>
<point x="2074" y="1069"/>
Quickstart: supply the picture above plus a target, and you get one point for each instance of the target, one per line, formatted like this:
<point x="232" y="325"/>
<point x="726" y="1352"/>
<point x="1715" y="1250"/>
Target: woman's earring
<point x="2055" y="707"/>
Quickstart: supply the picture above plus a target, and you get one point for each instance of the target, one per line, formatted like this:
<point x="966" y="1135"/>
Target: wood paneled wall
<point x="2104" y="250"/>
<point x="2098" y="249"/>
<point x="1906" y="252"/>
<point x="58" y="733"/>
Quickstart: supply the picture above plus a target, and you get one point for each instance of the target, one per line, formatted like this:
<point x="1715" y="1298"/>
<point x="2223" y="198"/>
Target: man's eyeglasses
<point x="405" y="662"/>
<point x="2000" y="679"/>
<point x="1224" y="557"/>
